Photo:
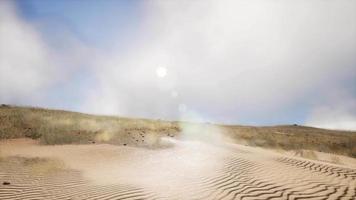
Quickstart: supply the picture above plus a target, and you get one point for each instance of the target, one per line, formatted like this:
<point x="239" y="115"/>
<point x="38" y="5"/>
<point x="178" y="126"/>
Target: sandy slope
<point x="188" y="170"/>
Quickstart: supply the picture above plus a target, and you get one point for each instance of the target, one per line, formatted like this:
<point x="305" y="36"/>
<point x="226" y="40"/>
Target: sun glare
<point x="161" y="72"/>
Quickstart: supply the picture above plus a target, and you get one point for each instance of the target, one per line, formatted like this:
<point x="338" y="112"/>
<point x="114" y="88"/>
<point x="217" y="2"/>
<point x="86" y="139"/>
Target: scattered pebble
<point x="6" y="183"/>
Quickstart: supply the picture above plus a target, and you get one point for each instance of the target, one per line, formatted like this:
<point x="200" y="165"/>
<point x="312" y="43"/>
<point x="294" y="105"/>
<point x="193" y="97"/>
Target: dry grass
<point x="294" y="137"/>
<point x="63" y="127"/>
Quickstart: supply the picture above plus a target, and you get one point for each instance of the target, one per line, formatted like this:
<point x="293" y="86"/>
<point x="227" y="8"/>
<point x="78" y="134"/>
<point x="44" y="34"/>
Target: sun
<point x="161" y="72"/>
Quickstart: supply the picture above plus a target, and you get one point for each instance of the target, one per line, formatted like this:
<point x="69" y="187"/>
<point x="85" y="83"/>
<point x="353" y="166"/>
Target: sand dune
<point x="188" y="170"/>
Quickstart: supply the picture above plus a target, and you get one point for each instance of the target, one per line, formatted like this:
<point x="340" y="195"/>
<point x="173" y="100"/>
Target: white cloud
<point x="25" y="63"/>
<point x="228" y="59"/>
<point x="338" y="113"/>
<point x="36" y="57"/>
<point x="338" y="118"/>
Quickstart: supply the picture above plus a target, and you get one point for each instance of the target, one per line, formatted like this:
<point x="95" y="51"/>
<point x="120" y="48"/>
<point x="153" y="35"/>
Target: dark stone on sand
<point x="6" y="183"/>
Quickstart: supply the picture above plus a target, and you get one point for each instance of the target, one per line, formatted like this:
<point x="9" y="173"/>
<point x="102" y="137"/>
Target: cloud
<point x="38" y="58"/>
<point x="25" y="63"/>
<point x="338" y="113"/>
<point x="332" y="118"/>
<point x="227" y="60"/>
<point x="224" y="61"/>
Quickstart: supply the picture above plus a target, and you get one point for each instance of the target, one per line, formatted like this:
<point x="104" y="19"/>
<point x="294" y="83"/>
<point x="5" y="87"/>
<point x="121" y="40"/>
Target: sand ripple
<point x="238" y="174"/>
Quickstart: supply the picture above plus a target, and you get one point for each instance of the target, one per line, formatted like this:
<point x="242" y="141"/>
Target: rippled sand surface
<point x="187" y="170"/>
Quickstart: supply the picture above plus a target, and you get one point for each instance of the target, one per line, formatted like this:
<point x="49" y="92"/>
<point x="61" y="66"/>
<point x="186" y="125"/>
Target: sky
<point x="257" y="62"/>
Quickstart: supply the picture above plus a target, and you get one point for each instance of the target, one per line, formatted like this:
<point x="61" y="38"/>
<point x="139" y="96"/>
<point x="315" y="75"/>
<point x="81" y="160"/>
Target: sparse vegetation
<point x="296" y="138"/>
<point x="63" y="127"/>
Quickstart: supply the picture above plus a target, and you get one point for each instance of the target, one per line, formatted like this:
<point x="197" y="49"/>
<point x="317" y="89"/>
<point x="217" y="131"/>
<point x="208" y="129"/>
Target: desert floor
<point x="185" y="170"/>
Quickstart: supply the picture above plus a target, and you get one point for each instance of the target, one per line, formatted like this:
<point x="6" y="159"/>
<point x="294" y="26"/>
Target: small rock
<point x="6" y="183"/>
<point x="124" y="144"/>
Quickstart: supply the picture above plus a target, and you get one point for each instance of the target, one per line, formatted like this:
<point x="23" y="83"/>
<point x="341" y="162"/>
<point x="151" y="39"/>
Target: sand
<point x="186" y="170"/>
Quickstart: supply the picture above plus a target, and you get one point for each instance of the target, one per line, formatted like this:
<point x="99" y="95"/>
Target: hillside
<point x="64" y="127"/>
